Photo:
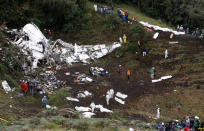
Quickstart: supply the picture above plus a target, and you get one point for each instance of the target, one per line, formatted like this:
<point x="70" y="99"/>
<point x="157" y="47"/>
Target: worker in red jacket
<point x="24" y="87"/>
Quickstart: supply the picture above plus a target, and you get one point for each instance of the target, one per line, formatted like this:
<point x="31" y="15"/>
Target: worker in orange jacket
<point x="128" y="74"/>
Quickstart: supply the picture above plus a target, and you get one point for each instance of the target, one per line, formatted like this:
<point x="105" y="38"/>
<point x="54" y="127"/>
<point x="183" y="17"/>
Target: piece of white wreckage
<point x="6" y="86"/>
<point x="32" y="41"/>
<point x="162" y="78"/>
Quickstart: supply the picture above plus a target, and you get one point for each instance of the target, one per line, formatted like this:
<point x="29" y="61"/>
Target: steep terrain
<point x="177" y="97"/>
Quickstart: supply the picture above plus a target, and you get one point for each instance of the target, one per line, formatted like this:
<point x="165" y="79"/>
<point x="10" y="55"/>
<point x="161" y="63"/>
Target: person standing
<point x="178" y="28"/>
<point x="124" y="39"/>
<point x="187" y="31"/>
<point x="152" y="72"/>
<point x="138" y="44"/>
<point x="166" y="54"/>
<point x="119" y="69"/>
<point x="50" y="34"/>
<point x="128" y="74"/>
<point x="158" y="113"/>
<point x="196" y="123"/>
<point x="45" y="32"/>
<point x="24" y="87"/>
<point x="44" y="102"/>
<point x="181" y="28"/>
<point x="95" y="8"/>
<point x="104" y="11"/>
<point x="32" y="87"/>
<point x="144" y="52"/>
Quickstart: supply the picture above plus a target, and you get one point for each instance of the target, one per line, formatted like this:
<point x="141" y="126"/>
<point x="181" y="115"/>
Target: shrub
<point x="58" y="97"/>
<point x="83" y="126"/>
<point x="10" y="81"/>
<point x="136" y="33"/>
<point x="116" y="115"/>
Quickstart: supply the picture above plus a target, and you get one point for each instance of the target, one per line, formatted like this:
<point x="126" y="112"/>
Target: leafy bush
<point x="112" y="22"/>
<point x="83" y="126"/>
<point x="58" y="97"/>
<point x="136" y="33"/>
<point x="116" y="115"/>
<point x="10" y="81"/>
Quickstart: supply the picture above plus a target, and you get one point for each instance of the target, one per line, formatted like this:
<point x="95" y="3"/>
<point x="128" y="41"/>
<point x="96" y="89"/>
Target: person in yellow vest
<point x="124" y="39"/>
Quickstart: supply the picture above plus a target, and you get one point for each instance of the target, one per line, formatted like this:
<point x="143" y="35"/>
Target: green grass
<point x="139" y="16"/>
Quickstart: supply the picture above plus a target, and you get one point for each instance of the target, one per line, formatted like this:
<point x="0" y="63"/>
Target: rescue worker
<point x="119" y="69"/>
<point x="178" y="28"/>
<point x="152" y="72"/>
<point x="104" y="11"/>
<point x="166" y="54"/>
<point x="144" y="52"/>
<point x="24" y="87"/>
<point x="133" y="18"/>
<point x="50" y="33"/>
<point x="139" y="44"/>
<point x="44" y="102"/>
<point x="181" y="28"/>
<point x="32" y="87"/>
<point x="126" y="15"/>
<point x="187" y="31"/>
<point x="128" y="74"/>
<point x="45" y="32"/>
<point x="201" y="37"/>
<point x="123" y="16"/>
<point x="196" y="123"/>
<point x="119" y="13"/>
<point x="124" y="39"/>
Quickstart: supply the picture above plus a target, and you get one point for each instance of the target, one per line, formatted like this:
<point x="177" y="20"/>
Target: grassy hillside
<point x="139" y="16"/>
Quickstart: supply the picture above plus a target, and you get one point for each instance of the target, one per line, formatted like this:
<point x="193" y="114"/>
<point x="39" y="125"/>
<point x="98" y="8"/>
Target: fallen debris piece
<point x="123" y="96"/>
<point x="162" y="78"/>
<point x="119" y="100"/>
<point x="72" y="99"/>
<point x="156" y="35"/>
<point x="148" y="29"/>
<point x="102" y="109"/>
<point x="109" y="95"/>
<point x="174" y="42"/>
<point x="87" y="114"/>
<point x="171" y="36"/>
<point x="93" y="106"/>
<point x="6" y="86"/>
<point x="83" y="78"/>
<point x="32" y="42"/>
<point x="160" y="28"/>
<point x="68" y="73"/>
<point x="83" y="109"/>
<point x="51" y="107"/>
<point x="97" y="71"/>
<point x="83" y="95"/>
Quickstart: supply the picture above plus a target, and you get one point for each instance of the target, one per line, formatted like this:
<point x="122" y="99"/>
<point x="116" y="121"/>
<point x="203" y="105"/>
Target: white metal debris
<point x="83" y="109"/>
<point x="6" y="86"/>
<point x="120" y="95"/>
<point x="87" y="114"/>
<point x="32" y="41"/>
<point x="162" y="78"/>
<point x="160" y="28"/>
<point x="109" y="95"/>
<point x="51" y="107"/>
<point x="72" y="99"/>
<point x="102" y="109"/>
<point x="119" y="100"/>
<point x="156" y="35"/>
<point x="174" y="42"/>
<point x="93" y="106"/>
<point x="83" y="95"/>
<point x="68" y="73"/>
